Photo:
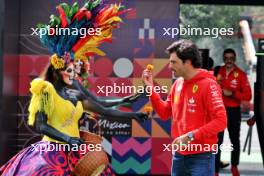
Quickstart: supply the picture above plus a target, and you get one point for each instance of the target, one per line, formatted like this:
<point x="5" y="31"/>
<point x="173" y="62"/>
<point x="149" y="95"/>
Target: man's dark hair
<point x="216" y="70"/>
<point x="229" y="50"/>
<point x="186" y="50"/>
<point x="210" y="63"/>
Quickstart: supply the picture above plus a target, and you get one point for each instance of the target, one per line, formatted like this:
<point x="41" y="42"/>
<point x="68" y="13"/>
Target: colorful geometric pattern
<point x="160" y="159"/>
<point x="152" y="128"/>
<point x="160" y="128"/>
<point x="142" y="129"/>
<point x="107" y="146"/>
<point x="131" y="155"/>
<point x="140" y="104"/>
<point x="160" y="67"/>
<point x="33" y="66"/>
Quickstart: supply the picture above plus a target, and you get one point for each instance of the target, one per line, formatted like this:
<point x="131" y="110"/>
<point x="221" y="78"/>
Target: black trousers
<point x="233" y="126"/>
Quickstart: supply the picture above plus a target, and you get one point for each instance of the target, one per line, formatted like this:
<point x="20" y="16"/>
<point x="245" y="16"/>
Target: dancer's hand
<point x="131" y="98"/>
<point x="75" y="141"/>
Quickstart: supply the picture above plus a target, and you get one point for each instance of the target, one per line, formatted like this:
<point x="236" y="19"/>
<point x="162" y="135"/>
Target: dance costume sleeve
<point x="42" y="99"/>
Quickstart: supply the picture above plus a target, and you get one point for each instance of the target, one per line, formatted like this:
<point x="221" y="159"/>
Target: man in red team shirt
<point x="235" y="88"/>
<point x="196" y="107"/>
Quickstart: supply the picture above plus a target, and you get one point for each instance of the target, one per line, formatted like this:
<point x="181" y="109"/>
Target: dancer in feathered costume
<point x="102" y="19"/>
<point x="56" y="105"/>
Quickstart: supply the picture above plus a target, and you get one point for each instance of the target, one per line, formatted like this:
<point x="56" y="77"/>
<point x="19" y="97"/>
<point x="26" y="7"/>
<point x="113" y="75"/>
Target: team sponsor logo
<point x="191" y="101"/>
<point x="192" y="105"/>
<point x="213" y="87"/>
<point x="216" y="97"/>
<point x="233" y="83"/>
<point x="235" y="74"/>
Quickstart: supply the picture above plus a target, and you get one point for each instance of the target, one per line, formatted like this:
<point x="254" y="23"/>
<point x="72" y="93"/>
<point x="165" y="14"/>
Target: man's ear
<point x="188" y="62"/>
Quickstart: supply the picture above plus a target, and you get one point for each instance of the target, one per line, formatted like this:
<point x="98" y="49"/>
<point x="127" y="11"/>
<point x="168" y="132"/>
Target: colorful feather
<point x="94" y="15"/>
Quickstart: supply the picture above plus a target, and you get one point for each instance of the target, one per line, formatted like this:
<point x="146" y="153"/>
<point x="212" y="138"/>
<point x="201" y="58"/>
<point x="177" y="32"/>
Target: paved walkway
<point x="250" y="165"/>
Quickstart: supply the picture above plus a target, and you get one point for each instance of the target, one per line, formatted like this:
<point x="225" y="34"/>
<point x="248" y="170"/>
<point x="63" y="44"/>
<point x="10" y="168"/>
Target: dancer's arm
<point x="106" y="102"/>
<point x="44" y="128"/>
<point x="90" y="105"/>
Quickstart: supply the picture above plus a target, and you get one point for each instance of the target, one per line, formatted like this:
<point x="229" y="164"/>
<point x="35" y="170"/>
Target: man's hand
<point x="184" y="139"/>
<point x="147" y="78"/>
<point x="227" y="93"/>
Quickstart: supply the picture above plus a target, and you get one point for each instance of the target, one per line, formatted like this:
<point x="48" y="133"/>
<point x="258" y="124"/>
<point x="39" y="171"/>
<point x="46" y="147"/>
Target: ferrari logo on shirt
<point x="195" y="88"/>
<point x="235" y="74"/>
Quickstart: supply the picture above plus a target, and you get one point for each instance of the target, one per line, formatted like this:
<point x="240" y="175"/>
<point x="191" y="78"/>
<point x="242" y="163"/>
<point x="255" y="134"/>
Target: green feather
<point x="95" y="3"/>
<point x="66" y="9"/>
<point x="74" y="9"/>
<point x="54" y="20"/>
<point x="88" y="4"/>
<point x="40" y="25"/>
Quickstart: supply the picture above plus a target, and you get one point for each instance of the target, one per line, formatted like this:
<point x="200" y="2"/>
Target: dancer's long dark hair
<point x="53" y="76"/>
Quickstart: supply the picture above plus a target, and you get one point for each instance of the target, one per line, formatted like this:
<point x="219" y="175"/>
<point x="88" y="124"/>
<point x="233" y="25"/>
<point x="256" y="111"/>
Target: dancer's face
<point x="82" y="66"/>
<point x="177" y="66"/>
<point x="87" y="66"/>
<point x="78" y="66"/>
<point x="68" y="74"/>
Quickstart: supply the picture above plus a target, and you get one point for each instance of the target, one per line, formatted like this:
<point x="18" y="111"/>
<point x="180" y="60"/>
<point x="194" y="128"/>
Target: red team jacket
<point x="195" y="105"/>
<point x="237" y="82"/>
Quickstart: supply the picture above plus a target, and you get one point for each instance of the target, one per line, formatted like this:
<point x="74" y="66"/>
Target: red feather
<point x="89" y="54"/>
<point x="81" y="13"/>
<point x="80" y="43"/>
<point x="64" y="22"/>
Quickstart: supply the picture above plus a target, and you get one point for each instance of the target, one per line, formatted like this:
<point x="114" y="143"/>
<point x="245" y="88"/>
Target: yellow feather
<point x="42" y="99"/>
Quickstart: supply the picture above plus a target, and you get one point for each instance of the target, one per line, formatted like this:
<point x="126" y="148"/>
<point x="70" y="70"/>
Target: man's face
<point x="176" y="65"/>
<point x="68" y="74"/>
<point x="229" y="60"/>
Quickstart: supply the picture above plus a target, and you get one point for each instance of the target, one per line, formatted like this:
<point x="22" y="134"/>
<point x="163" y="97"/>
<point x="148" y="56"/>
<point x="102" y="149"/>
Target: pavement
<point x="250" y="165"/>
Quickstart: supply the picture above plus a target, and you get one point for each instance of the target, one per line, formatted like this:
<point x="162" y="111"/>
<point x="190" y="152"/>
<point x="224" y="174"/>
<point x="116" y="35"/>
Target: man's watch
<point x="190" y="135"/>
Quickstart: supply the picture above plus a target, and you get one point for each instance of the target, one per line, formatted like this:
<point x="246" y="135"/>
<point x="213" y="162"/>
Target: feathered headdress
<point x="78" y="32"/>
